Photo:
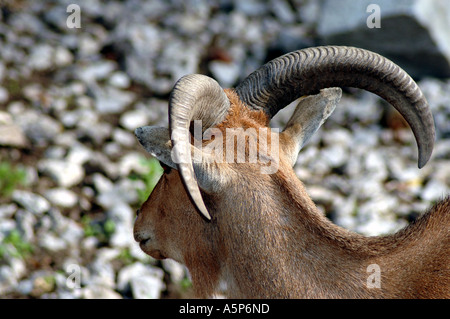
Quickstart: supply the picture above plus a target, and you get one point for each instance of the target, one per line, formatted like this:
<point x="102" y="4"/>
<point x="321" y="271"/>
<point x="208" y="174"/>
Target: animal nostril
<point x="138" y="237"/>
<point x="138" y="211"/>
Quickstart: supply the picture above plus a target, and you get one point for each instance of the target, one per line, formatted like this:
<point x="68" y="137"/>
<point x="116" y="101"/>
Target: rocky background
<point x="72" y="173"/>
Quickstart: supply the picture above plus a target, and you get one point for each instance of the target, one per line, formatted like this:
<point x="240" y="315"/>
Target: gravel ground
<point x="70" y="100"/>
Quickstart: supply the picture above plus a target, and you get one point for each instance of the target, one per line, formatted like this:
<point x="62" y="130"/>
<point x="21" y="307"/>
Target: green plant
<point x="185" y="284"/>
<point x="150" y="177"/>
<point x="102" y="230"/>
<point x="21" y="248"/>
<point x="125" y="257"/>
<point x="10" y="178"/>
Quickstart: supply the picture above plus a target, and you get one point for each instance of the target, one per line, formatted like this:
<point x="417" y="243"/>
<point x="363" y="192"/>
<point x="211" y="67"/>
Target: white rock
<point x="101" y="273"/>
<point x="38" y="127"/>
<point x="2" y="71"/>
<point x="87" y="45"/>
<point x="134" y="119"/>
<point x="25" y="286"/>
<point x="283" y="11"/>
<point x="378" y="225"/>
<point x="122" y="215"/>
<point x="99" y="292"/>
<point x="426" y="34"/>
<point x="123" y="137"/>
<point x="12" y="135"/>
<point x="138" y="271"/>
<point x="7" y="210"/>
<point x="33" y="92"/>
<point x="63" y="56"/>
<point x="123" y="191"/>
<point x="177" y="271"/>
<point x="132" y="162"/>
<point x="376" y="217"/>
<point x="375" y="165"/>
<point x="112" y="149"/>
<point x="95" y="71"/>
<point x="7" y="279"/>
<point x="225" y="73"/>
<point x="6" y="226"/>
<point x="111" y="100"/>
<point x="435" y="190"/>
<point x="4" y="95"/>
<point x="79" y="154"/>
<point x="147" y="287"/>
<point x="71" y="232"/>
<point x="335" y="155"/>
<point x="25" y="223"/>
<point x="252" y="7"/>
<point x="61" y="197"/>
<point x="119" y="80"/>
<point x="66" y="174"/>
<point x="101" y="183"/>
<point x="41" y="57"/>
<point x="32" y="202"/>
<point x="52" y="242"/>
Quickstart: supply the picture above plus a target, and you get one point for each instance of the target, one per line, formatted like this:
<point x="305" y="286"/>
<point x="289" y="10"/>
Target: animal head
<point x="208" y="187"/>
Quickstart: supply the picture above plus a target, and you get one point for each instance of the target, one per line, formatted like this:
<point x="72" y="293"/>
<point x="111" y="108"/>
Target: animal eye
<point x="165" y="167"/>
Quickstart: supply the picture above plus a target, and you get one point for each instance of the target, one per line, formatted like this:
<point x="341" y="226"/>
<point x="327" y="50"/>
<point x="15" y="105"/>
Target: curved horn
<point x="194" y="97"/>
<point x="307" y="71"/>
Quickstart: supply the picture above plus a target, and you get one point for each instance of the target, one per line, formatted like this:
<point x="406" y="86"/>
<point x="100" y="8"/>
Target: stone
<point x="435" y="190"/>
<point x="52" y="242"/>
<point x="122" y="137"/>
<point x="111" y="100"/>
<point x="133" y="162"/>
<point x="34" y="203"/>
<point x="421" y="26"/>
<point x="101" y="273"/>
<point x="38" y="127"/>
<point x="99" y="292"/>
<point x="7" y="279"/>
<point x="119" y="80"/>
<point x="283" y="11"/>
<point x="4" y="95"/>
<point x="133" y="119"/>
<point x="79" y="154"/>
<point x="147" y="287"/>
<point x="122" y="216"/>
<point x="176" y="270"/>
<point x="96" y="71"/>
<point x="41" y="57"/>
<point x="7" y="210"/>
<point x="25" y="223"/>
<point x="122" y="192"/>
<point x="144" y="281"/>
<point x="101" y="183"/>
<point x="226" y="74"/>
<point x="61" y="197"/>
<point x="62" y="56"/>
<point x="11" y="134"/>
<point x="64" y="173"/>
<point x="69" y="230"/>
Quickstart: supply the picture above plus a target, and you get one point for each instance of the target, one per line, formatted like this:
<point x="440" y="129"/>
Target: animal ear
<point x="211" y="176"/>
<point x="156" y="141"/>
<point x="311" y="112"/>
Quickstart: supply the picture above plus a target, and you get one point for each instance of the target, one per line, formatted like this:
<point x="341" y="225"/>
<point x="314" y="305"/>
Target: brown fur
<point x="267" y="239"/>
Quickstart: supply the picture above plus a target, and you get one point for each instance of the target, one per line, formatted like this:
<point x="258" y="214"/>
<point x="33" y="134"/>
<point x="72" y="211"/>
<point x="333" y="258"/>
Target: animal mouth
<point x="155" y="253"/>
<point x="142" y="243"/>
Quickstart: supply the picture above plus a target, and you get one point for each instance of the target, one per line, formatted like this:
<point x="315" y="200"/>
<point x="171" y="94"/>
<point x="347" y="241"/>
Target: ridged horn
<point x="307" y="71"/>
<point x="194" y="97"/>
